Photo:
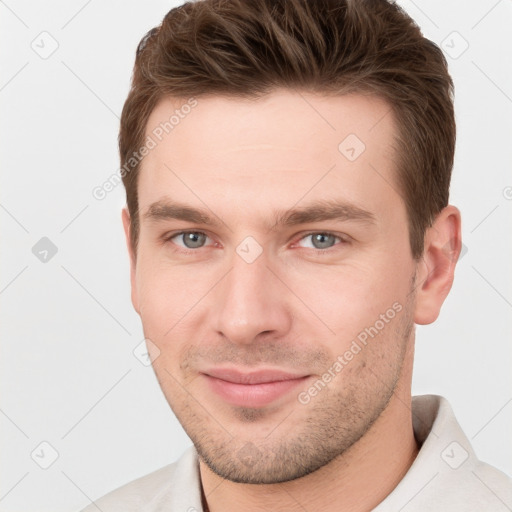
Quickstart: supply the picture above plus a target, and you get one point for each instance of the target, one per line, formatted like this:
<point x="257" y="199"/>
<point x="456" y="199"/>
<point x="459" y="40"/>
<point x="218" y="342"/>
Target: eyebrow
<point x="316" y="211"/>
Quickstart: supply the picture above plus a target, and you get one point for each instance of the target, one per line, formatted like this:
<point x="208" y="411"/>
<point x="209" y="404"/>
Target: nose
<point x="251" y="303"/>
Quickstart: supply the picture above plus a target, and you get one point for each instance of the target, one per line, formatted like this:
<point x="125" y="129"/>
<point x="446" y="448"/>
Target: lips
<point x="251" y="389"/>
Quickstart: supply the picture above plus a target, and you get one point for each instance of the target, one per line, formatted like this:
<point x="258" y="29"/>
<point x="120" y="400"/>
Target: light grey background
<point x="69" y="375"/>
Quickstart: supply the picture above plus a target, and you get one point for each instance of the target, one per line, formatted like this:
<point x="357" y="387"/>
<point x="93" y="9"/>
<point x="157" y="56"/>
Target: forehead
<point x="270" y="151"/>
<point x="284" y="115"/>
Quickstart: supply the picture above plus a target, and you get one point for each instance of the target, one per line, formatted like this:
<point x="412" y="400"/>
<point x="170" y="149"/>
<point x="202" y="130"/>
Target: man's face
<point x="281" y="334"/>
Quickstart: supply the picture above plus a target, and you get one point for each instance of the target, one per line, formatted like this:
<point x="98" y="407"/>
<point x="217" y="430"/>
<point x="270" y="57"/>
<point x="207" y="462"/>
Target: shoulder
<point x="461" y="481"/>
<point x="175" y="483"/>
<point x="474" y="487"/>
<point x="447" y="474"/>
<point x="135" y="495"/>
<point x="486" y="485"/>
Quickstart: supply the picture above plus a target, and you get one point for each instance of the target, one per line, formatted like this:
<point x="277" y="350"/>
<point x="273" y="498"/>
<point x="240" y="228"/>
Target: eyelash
<point x="342" y="240"/>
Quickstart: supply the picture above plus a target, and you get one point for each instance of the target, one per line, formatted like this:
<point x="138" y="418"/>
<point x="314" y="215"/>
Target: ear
<point x="127" y="229"/>
<point x="435" y="270"/>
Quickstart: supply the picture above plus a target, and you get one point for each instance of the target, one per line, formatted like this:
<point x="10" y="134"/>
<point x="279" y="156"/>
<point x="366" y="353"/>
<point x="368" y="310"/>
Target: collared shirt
<point x="446" y="475"/>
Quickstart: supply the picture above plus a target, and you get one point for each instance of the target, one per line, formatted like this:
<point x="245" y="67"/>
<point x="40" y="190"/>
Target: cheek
<point x="163" y="294"/>
<point x="172" y="302"/>
<point x="342" y="302"/>
<point x="167" y="288"/>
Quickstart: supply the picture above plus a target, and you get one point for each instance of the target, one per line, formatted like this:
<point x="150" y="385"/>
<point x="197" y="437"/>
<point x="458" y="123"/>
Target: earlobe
<point x="435" y="270"/>
<point x="127" y="228"/>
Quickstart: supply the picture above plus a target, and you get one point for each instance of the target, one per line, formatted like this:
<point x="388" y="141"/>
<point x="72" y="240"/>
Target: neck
<point x="356" y="481"/>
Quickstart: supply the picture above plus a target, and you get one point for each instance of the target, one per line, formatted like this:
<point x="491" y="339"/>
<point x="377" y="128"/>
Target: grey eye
<point x="322" y="240"/>
<point x="193" y="239"/>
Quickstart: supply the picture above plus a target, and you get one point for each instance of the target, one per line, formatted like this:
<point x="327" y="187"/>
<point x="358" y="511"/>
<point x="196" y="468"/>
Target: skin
<point x="296" y="307"/>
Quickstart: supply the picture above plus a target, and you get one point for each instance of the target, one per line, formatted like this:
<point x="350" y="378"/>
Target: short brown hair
<point x="247" y="48"/>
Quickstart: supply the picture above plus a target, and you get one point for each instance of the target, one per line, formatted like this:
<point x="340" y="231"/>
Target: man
<point x="287" y="168"/>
